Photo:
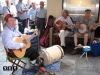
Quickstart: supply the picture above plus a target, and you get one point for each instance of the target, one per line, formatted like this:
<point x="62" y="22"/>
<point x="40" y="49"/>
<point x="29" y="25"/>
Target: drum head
<point x="84" y="29"/>
<point x="45" y="56"/>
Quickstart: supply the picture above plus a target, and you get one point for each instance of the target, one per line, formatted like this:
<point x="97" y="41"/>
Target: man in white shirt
<point x="63" y="33"/>
<point x="22" y="15"/>
<point x="9" y="9"/>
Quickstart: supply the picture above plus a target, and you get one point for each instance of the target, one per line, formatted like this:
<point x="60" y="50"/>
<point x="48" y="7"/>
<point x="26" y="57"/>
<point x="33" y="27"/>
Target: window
<point x="77" y="7"/>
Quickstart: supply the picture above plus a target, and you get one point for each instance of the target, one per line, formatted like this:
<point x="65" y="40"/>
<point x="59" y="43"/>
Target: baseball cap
<point x="9" y="16"/>
<point x="87" y="10"/>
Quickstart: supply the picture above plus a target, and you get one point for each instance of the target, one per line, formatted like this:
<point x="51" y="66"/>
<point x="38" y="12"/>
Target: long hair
<point x="66" y="11"/>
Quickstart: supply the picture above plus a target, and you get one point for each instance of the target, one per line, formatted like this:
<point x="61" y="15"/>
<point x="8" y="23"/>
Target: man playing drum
<point x="89" y="22"/>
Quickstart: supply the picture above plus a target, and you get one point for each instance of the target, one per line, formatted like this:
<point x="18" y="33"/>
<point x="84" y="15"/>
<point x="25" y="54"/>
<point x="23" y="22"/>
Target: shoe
<point x="63" y="47"/>
<point x="33" y="62"/>
<point x="76" y="47"/>
<point x="75" y="51"/>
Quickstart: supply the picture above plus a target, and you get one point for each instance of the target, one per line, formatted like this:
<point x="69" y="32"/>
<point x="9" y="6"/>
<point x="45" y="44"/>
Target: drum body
<point x="51" y="54"/>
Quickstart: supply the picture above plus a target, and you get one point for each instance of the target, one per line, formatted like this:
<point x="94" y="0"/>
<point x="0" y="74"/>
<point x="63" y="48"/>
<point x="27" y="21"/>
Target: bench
<point x="52" y="34"/>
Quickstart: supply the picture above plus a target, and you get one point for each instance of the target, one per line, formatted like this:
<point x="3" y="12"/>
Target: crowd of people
<point x="10" y="14"/>
<point x="38" y="16"/>
<point x="25" y="12"/>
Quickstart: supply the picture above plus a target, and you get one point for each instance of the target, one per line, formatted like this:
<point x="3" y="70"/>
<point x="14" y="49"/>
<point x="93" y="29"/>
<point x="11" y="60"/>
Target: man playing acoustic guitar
<point x="89" y="22"/>
<point x="66" y="29"/>
<point x="8" y="35"/>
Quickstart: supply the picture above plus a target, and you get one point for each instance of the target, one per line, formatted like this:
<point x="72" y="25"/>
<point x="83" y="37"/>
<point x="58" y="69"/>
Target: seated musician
<point x="89" y="21"/>
<point x="64" y="32"/>
<point x="9" y="33"/>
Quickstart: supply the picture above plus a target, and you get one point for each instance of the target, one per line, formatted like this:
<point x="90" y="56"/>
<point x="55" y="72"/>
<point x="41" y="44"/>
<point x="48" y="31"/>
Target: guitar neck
<point x="70" y="25"/>
<point x="77" y="26"/>
<point x="29" y="38"/>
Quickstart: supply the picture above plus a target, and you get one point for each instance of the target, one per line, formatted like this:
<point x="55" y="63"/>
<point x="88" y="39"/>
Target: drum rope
<point x="62" y="52"/>
<point x="48" y="56"/>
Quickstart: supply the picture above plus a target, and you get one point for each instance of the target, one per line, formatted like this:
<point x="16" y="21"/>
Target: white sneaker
<point x="33" y="62"/>
<point x="76" y="47"/>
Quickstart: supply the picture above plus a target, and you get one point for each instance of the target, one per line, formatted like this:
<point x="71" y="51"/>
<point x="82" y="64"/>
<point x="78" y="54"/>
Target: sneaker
<point x="75" y="51"/>
<point x="76" y="47"/>
<point x="33" y="62"/>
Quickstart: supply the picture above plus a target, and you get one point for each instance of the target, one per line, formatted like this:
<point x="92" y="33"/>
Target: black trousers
<point x="32" y="24"/>
<point x="41" y="25"/>
<point x="31" y="53"/>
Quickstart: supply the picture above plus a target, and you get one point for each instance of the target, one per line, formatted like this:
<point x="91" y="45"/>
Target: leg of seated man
<point x="75" y="39"/>
<point x="31" y="53"/>
<point x="85" y="39"/>
<point x="76" y="35"/>
<point x="62" y="36"/>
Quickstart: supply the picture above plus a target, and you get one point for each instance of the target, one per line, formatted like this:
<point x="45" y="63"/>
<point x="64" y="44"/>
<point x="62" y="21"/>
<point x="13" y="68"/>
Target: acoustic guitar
<point x="23" y="39"/>
<point x="62" y="26"/>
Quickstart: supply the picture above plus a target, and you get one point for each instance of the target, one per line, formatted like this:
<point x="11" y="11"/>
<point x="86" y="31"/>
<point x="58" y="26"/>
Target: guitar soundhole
<point x="24" y="41"/>
<point x="20" y="49"/>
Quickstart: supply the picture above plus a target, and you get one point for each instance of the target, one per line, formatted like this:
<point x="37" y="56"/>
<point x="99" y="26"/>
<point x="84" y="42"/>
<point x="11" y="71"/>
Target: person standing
<point x="41" y="14"/>
<point x="9" y="9"/>
<point x="1" y="11"/>
<point x="22" y="15"/>
<point x="31" y="14"/>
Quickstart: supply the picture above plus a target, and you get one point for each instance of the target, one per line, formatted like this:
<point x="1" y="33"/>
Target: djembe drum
<point x="51" y="54"/>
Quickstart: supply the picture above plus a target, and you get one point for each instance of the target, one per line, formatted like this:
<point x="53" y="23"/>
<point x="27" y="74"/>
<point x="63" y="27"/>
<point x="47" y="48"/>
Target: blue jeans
<point x="74" y="30"/>
<point x="22" y="27"/>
